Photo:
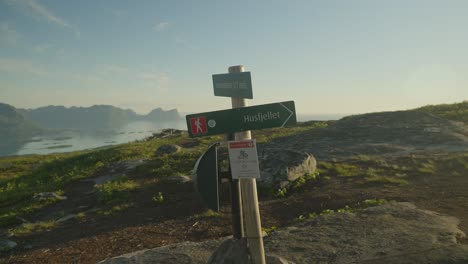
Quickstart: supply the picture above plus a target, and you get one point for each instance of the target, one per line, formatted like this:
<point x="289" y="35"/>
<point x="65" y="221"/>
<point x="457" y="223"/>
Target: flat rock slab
<point x="182" y="253"/>
<point x="390" y="233"/>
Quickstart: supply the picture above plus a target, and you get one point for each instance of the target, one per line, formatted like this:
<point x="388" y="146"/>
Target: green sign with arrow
<point x="242" y="119"/>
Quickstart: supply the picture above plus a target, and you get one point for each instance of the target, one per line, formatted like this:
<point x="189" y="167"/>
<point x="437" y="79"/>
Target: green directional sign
<point x="242" y="119"/>
<point x="236" y="84"/>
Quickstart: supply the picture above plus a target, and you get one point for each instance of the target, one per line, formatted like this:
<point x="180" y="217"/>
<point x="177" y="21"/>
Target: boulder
<point x="167" y="149"/>
<point x="125" y="165"/>
<point x="105" y="178"/>
<point x="389" y="233"/>
<point x="179" y="179"/>
<point x="66" y="218"/>
<point x="185" y="252"/>
<point x="234" y="251"/>
<point x="231" y="251"/>
<point x="6" y="244"/>
<point x="48" y="195"/>
<point x="280" y="167"/>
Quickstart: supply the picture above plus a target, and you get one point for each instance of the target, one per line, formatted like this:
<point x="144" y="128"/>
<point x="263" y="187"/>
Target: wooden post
<point x="249" y="197"/>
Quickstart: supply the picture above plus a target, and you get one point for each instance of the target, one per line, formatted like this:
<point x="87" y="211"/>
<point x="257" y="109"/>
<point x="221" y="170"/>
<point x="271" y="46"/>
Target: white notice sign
<point x="244" y="159"/>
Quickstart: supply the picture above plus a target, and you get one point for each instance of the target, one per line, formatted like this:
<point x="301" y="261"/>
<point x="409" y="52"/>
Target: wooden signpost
<point x="238" y="122"/>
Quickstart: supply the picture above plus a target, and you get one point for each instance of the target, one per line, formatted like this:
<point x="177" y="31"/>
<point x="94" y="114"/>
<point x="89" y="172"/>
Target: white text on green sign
<point x="242" y="119"/>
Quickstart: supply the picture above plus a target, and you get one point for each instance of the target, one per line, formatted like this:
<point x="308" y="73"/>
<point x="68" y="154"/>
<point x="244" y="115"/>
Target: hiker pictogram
<point x="198" y="125"/>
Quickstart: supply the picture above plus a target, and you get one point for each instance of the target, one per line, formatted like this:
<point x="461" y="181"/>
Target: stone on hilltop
<point x="280" y="167"/>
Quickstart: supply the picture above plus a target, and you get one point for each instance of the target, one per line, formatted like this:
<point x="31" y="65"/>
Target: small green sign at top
<point x="236" y="84"/>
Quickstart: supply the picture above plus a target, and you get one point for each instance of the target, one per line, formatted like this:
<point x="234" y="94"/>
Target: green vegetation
<point x="455" y="112"/>
<point x="209" y="213"/>
<point x="22" y="177"/>
<point x="367" y="169"/>
<point x="306" y="178"/>
<point x="338" y="169"/>
<point x="158" y="198"/>
<point x="281" y="192"/>
<point x="115" y="190"/>
<point x="347" y="209"/>
<point x="29" y="228"/>
<point x="116" y="209"/>
<point x="384" y="180"/>
<point x="427" y="167"/>
<point x="269" y="230"/>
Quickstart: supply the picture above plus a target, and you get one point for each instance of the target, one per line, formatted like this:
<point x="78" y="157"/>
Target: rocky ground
<point x="402" y="156"/>
<point x="390" y="233"/>
<point x="386" y="133"/>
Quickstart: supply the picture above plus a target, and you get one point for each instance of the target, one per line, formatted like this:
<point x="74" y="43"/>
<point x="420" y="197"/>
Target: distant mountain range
<point x="94" y="117"/>
<point x="17" y="125"/>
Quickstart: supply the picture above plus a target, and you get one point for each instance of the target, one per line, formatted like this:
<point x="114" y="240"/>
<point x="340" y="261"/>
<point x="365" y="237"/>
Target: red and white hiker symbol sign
<point x="198" y="125"/>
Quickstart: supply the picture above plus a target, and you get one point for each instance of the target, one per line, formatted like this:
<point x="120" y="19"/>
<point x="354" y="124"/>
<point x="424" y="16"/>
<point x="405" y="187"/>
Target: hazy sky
<point x="328" y="56"/>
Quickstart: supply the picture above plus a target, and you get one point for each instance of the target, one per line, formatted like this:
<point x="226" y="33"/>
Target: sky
<point x="328" y="56"/>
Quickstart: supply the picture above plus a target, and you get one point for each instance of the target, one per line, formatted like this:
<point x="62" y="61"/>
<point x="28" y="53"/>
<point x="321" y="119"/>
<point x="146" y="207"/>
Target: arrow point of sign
<point x="290" y="114"/>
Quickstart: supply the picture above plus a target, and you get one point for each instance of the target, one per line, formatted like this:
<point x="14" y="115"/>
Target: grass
<point x="427" y="167"/>
<point x="385" y="180"/>
<point x="269" y="230"/>
<point x="158" y="198"/>
<point x="116" y="209"/>
<point x="114" y="191"/>
<point x="338" y="169"/>
<point x="21" y="177"/>
<point x="209" y="214"/>
<point x="347" y="209"/>
<point x="29" y="228"/>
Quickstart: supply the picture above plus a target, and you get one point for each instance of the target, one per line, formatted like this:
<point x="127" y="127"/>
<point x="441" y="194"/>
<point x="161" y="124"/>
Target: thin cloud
<point x="21" y="67"/>
<point x="148" y="79"/>
<point x="7" y="34"/>
<point x="161" y="26"/>
<point x="42" y="48"/>
<point x="34" y="8"/>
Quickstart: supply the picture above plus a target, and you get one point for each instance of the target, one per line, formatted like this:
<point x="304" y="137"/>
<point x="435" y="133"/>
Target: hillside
<point x="455" y="112"/>
<point x="14" y="127"/>
<point x="91" y="205"/>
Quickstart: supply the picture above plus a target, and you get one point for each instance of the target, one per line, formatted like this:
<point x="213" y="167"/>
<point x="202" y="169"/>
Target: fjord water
<point x="73" y="140"/>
